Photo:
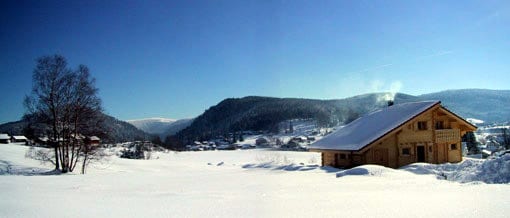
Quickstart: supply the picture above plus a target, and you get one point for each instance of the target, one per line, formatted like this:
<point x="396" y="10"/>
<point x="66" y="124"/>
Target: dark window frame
<point x="440" y="124"/>
<point x="453" y="147"/>
<point x="406" y="151"/>
<point x="422" y="125"/>
<point x="340" y="156"/>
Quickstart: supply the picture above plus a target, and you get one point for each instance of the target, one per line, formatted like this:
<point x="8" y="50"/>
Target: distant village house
<point x="19" y="138"/>
<point x="93" y="140"/>
<point x="5" y="139"/>
<point x="396" y="136"/>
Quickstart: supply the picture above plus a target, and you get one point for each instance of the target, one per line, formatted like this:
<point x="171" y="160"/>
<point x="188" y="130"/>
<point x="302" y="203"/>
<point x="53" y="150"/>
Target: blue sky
<point x="175" y="59"/>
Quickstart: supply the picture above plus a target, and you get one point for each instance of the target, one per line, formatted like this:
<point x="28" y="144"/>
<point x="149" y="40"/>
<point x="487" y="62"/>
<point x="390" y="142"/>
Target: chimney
<point x="390" y="103"/>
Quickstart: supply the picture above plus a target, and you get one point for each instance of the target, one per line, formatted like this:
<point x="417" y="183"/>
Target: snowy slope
<point x="152" y="125"/>
<point x="161" y="126"/>
<point x="242" y="183"/>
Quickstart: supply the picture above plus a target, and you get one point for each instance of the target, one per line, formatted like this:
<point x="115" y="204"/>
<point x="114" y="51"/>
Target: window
<point x="430" y="148"/>
<point x="406" y="151"/>
<point x="340" y="157"/>
<point x="439" y="125"/>
<point x="453" y="147"/>
<point x="422" y="125"/>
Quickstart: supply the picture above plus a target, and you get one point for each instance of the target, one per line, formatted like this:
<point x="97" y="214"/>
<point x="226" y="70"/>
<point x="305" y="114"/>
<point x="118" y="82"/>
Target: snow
<point x="496" y="170"/>
<point x="4" y="136"/>
<point x="19" y="137"/>
<point x="245" y="183"/>
<point x="153" y="119"/>
<point x="156" y="125"/>
<point x="474" y="121"/>
<point x="160" y="126"/>
<point x="369" y="128"/>
<point x="94" y="138"/>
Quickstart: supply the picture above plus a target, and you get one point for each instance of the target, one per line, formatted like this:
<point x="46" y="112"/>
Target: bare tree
<point x="49" y="81"/>
<point x="67" y="101"/>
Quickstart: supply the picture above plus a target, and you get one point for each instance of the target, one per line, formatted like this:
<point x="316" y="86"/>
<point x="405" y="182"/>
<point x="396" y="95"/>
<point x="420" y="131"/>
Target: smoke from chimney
<point x="390" y="95"/>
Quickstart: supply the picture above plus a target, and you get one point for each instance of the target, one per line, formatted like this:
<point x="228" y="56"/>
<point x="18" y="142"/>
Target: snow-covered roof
<point x="94" y="138"/>
<point x="4" y="136"/>
<point x="78" y="136"/>
<point x="367" y="129"/>
<point x="19" y="137"/>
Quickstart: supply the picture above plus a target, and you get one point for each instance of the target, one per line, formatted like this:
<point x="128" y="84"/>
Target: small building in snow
<point x="5" y="139"/>
<point x="42" y="141"/>
<point x="395" y="136"/>
<point x="93" y="140"/>
<point x="19" y="138"/>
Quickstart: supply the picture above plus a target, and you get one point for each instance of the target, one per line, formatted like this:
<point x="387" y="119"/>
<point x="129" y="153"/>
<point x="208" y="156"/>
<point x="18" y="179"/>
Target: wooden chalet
<point x="395" y="136"/>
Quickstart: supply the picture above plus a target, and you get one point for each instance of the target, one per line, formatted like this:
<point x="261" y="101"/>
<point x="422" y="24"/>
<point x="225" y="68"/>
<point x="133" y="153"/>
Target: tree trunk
<point x="57" y="166"/>
<point x="84" y="163"/>
<point x="55" y="145"/>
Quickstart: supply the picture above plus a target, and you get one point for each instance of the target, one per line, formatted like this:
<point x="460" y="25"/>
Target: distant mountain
<point x="114" y="130"/>
<point x="121" y="131"/>
<point x="264" y="113"/>
<point x="161" y="126"/>
<point x="152" y="125"/>
<point x="487" y="105"/>
<point x="176" y="126"/>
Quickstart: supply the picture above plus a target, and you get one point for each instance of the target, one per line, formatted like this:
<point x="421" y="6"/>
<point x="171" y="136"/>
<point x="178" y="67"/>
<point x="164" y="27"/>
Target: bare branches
<point x="67" y="101"/>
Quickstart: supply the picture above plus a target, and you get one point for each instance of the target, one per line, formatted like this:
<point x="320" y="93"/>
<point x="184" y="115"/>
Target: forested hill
<point x="264" y="113"/>
<point x="113" y="130"/>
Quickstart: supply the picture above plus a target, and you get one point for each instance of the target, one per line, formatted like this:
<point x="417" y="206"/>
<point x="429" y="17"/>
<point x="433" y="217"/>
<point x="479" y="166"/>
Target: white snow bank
<point x="183" y="184"/>
<point x="368" y="170"/>
<point x="490" y="171"/>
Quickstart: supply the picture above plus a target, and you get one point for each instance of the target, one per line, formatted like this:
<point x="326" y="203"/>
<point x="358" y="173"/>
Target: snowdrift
<point x="492" y="171"/>
<point x="371" y="170"/>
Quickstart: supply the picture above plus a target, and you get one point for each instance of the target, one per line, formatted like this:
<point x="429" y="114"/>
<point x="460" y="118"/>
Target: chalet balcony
<point x="447" y="135"/>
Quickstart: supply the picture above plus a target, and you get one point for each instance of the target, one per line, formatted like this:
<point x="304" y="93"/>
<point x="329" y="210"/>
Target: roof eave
<point x="473" y="127"/>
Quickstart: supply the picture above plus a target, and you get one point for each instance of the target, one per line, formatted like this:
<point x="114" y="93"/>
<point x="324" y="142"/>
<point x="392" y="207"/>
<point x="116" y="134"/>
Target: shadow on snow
<point x="290" y="167"/>
<point x="7" y="168"/>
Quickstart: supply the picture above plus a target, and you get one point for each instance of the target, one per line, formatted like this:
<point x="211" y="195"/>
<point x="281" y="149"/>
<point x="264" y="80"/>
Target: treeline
<point x="261" y="114"/>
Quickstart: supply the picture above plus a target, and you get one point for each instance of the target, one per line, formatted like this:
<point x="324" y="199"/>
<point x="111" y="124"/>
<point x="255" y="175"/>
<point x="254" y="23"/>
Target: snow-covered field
<point x="245" y="183"/>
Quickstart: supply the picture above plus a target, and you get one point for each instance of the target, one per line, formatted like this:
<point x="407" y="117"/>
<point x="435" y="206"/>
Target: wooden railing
<point x="447" y="135"/>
